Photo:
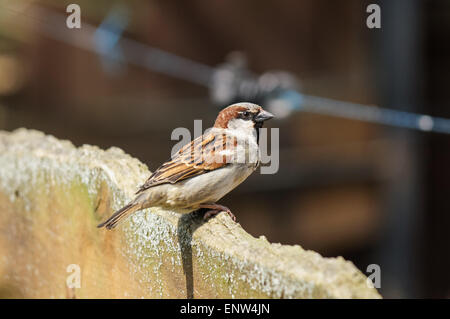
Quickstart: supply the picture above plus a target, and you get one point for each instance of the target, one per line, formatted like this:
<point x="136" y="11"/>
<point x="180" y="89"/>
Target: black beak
<point x="263" y="116"/>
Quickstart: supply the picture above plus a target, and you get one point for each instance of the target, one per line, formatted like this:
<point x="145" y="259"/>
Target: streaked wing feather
<point x="191" y="161"/>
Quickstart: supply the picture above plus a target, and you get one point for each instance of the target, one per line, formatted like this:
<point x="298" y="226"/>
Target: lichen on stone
<point x="54" y="194"/>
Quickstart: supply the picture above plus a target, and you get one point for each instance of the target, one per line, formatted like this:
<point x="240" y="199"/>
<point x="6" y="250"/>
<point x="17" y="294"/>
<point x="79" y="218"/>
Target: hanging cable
<point x="228" y="82"/>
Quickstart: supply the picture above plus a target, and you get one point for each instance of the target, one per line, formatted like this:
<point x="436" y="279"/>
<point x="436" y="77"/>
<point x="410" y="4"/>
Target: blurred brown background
<point x="372" y="193"/>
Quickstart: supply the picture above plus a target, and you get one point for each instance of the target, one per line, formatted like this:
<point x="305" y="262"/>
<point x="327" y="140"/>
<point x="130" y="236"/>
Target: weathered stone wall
<point x="52" y="196"/>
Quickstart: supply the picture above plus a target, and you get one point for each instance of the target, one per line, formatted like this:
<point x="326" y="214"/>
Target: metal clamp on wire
<point x="233" y="82"/>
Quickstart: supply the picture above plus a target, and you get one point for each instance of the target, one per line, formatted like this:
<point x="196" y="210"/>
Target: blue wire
<point x="109" y="35"/>
<point x="297" y="101"/>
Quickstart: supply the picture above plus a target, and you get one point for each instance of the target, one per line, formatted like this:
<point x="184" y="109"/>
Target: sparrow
<point x="204" y="170"/>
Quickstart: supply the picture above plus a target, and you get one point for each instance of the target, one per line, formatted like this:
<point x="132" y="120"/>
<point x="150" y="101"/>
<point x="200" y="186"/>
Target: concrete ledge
<point x="52" y="195"/>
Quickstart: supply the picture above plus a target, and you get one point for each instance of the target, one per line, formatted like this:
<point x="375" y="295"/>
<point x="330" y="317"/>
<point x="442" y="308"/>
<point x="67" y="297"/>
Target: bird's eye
<point x="246" y="113"/>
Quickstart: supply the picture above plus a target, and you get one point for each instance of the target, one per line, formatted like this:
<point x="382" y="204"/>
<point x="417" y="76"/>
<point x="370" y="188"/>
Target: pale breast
<point x="208" y="187"/>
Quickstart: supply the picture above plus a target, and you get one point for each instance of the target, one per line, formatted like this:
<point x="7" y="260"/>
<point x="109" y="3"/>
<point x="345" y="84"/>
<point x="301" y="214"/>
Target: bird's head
<point x="242" y="115"/>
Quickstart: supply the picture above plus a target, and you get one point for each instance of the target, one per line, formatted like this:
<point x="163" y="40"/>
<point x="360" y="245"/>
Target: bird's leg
<point x="214" y="209"/>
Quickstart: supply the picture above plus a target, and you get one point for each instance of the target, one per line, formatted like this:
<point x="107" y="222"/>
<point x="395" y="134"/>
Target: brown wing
<point x="201" y="155"/>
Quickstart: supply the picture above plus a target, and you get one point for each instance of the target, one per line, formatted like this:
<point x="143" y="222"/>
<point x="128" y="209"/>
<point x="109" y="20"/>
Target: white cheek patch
<point x="240" y="124"/>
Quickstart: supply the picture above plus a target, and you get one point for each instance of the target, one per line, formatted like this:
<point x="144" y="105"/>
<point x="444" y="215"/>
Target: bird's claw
<point x="216" y="209"/>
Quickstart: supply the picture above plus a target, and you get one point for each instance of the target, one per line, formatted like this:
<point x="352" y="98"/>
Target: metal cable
<point x="284" y="102"/>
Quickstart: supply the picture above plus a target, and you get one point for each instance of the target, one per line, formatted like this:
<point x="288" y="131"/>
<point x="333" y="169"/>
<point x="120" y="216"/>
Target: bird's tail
<point x="120" y="215"/>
